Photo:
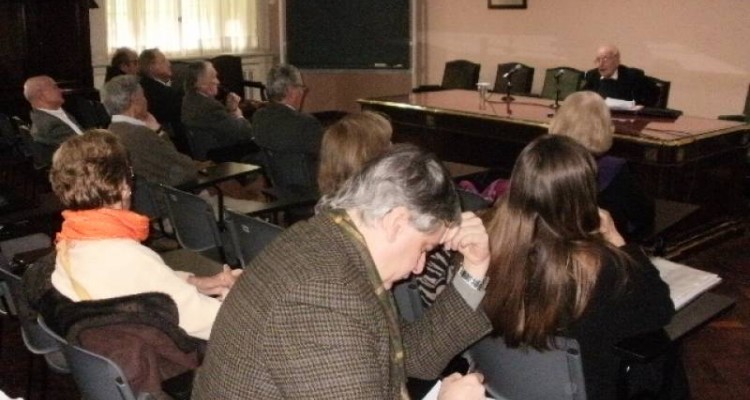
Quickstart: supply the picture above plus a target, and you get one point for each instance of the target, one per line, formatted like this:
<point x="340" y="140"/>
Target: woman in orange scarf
<point x="99" y="254"/>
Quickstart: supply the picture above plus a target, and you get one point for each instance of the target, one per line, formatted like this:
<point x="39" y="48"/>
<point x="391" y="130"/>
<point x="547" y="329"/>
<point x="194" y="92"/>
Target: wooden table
<point x="688" y="159"/>
<point x="215" y="174"/>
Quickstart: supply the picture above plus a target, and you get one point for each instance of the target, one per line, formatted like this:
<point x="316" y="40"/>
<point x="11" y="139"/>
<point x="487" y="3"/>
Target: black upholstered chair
<point x="661" y="92"/>
<point x="570" y="82"/>
<point x="249" y="235"/>
<point x="521" y="81"/>
<point x="745" y="116"/>
<point x="229" y="69"/>
<point x="458" y="74"/>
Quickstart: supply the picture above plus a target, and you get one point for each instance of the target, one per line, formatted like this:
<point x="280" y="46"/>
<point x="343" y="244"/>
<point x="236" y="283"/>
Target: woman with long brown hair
<point x="559" y="266"/>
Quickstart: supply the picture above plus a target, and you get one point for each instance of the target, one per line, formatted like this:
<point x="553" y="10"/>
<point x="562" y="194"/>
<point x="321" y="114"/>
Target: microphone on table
<point x="510" y="73"/>
<point x="560" y="72"/>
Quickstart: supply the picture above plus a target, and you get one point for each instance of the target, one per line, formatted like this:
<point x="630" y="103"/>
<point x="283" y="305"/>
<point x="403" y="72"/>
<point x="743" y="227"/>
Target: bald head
<point x="42" y="92"/>
<point x="607" y="60"/>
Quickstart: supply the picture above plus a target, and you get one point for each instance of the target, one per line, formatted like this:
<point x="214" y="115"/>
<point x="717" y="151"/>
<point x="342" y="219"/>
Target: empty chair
<point x="36" y="340"/>
<point x="660" y="96"/>
<point x="229" y="69"/>
<point x="458" y="74"/>
<point x="520" y="80"/>
<point x="249" y="235"/>
<point x="525" y="373"/>
<point x="570" y="80"/>
<point x="745" y="116"/>
<point x="194" y="224"/>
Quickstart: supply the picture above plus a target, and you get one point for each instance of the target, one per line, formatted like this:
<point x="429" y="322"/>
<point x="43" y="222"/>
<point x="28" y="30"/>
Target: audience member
<point x="611" y="79"/>
<point x="50" y="124"/>
<point x="290" y="138"/>
<point x="99" y="255"/>
<point x="585" y="117"/>
<point x="214" y="126"/>
<point x="348" y="144"/>
<point x="560" y="267"/>
<point x="322" y="320"/>
<point x="124" y="62"/>
<point x="164" y="101"/>
<point x="152" y="155"/>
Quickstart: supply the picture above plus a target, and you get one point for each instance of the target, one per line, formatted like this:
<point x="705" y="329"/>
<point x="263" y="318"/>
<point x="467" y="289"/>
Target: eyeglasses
<point x="601" y="59"/>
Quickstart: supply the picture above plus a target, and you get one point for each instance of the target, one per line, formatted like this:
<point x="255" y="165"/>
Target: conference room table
<point x="688" y="159"/>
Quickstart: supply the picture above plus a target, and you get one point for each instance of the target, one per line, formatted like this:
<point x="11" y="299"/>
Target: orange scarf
<point x="103" y="223"/>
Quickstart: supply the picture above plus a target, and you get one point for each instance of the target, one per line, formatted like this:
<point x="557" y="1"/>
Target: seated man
<point x="164" y="101"/>
<point x="214" y="127"/>
<point x="124" y="62"/>
<point x="613" y="80"/>
<point x="290" y="138"/>
<point x="316" y="318"/>
<point x="152" y="155"/>
<point x="50" y="124"/>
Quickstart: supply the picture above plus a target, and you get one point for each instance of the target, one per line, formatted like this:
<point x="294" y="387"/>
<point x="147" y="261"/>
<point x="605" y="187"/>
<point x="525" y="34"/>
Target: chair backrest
<point x="570" y="80"/>
<point x="291" y="174"/>
<point x="521" y="373"/>
<point x="249" y="235"/>
<point x="471" y="201"/>
<point x="661" y="92"/>
<point x="408" y="301"/>
<point x="521" y="81"/>
<point x="460" y="74"/>
<point x="232" y="78"/>
<point x="148" y="199"/>
<point x="746" y="111"/>
<point x="193" y="221"/>
<point x="97" y="377"/>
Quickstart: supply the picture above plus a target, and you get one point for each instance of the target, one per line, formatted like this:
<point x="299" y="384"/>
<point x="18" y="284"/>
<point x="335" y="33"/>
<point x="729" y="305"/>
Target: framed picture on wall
<point x="506" y="3"/>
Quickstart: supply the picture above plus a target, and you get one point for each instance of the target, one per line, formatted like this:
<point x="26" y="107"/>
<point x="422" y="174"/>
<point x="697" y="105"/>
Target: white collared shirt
<point x="613" y="77"/>
<point x="64" y="117"/>
<point x="127" y="119"/>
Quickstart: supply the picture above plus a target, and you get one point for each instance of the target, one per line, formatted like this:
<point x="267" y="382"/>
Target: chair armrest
<point x="427" y="88"/>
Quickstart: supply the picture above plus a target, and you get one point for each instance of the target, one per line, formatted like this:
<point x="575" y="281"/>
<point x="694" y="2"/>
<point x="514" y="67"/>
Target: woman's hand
<point x="216" y="285"/>
<point x="471" y="240"/>
<point x="608" y="229"/>
<point x="466" y="387"/>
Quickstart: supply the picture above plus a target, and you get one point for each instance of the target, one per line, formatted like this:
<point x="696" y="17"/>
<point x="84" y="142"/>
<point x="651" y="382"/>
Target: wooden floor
<point x="716" y="355"/>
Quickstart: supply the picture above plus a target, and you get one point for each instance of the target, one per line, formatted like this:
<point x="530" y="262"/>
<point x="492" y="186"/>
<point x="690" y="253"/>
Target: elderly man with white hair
<point x="50" y="124"/>
<point x="613" y="80"/>
<point x="314" y="316"/>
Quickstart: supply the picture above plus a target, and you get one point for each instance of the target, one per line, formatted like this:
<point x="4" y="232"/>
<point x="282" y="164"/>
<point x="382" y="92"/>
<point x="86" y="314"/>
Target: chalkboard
<point x="348" y="34"/>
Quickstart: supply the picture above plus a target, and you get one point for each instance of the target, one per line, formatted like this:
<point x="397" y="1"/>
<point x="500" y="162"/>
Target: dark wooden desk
<point x="216" y="174"/>
<point x="688" y="159"/>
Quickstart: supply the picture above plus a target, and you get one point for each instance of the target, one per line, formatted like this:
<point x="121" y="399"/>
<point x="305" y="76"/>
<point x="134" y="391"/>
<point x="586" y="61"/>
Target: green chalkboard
<point x="348" y="34"/>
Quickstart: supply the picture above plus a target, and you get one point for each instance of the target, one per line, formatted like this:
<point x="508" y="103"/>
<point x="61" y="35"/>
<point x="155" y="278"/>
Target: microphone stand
<point x="508" y="86"/>
<point x="556" y="105"/>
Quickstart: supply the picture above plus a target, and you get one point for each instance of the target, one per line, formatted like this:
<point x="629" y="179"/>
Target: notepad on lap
<point x="685" y="283"/>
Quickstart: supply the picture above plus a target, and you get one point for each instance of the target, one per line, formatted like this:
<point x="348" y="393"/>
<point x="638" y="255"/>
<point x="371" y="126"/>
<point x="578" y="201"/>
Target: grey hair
<point x="117" y="94"/>
<point x="405" y="176"/>
<point x="280" y="78"/>
<point x="193" y="74"/>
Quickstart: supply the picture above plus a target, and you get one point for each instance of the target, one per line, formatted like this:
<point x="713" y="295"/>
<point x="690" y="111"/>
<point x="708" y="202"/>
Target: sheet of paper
<point x="433" y="393"/>
<point x="685" y="283"/>
<point x="617" y="104"/>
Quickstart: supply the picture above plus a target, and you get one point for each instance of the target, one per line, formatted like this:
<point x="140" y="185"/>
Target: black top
<point x="642" y="305"/>
<point x="621" y="194"/>
<point x="631" y="84"/>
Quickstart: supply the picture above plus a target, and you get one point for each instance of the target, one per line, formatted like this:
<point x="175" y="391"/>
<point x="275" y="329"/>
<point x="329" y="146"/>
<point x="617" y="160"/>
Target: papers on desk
<point x="685" y="283"/>
<point x="618" y="104"/>
<point x="433" y="393"/>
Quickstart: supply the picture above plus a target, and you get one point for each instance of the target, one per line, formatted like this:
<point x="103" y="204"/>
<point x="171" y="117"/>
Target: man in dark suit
<point x="124" y="62"/>
<point x="613" y="80"/>
<point x="164" y="101"/>
<point x="290" y="138"/>
<point x="316" y="319"/>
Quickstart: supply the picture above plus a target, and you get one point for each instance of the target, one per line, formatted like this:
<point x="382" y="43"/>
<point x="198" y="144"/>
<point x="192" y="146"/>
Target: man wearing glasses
<point x="612" y="80"/>
<point x="290" y="138"/>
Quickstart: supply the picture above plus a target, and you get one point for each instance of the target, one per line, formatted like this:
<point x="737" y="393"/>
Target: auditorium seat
<point x="458" y="74"/>
<point x="570" y="82"/>
<point x="521" y="81"/>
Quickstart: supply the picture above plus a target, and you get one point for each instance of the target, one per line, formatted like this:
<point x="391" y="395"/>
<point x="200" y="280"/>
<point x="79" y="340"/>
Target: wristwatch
<point x="476" y="284"/>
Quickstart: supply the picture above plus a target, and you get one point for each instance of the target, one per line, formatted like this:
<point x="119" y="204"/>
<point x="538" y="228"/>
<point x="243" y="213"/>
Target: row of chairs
<point x="464" y="74"/>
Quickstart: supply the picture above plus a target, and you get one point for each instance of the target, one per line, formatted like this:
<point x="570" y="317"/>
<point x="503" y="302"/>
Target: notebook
<point x="685" y="283"/>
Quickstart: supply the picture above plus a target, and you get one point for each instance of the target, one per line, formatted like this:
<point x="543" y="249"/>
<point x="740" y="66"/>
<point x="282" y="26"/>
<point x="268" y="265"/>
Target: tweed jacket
<point x="48" y="129"/>
<point x="291" y="139"/>
<point x="631" y="84"/>
<point x="154" y="158"/>
<point x="304" y="322"/>
<point x="211" y="125"/>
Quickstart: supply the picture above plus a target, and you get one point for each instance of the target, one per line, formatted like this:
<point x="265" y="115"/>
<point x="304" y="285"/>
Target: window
<point x="185" y="28"/>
